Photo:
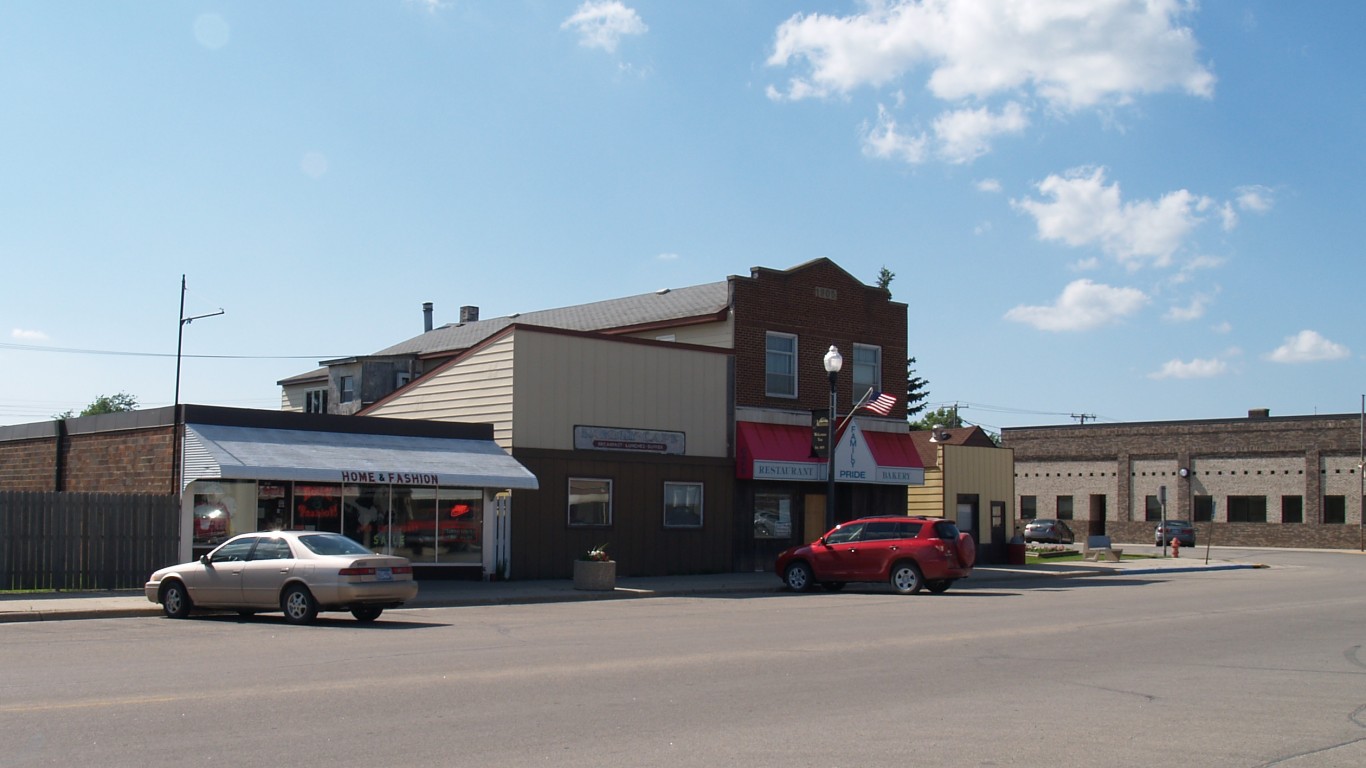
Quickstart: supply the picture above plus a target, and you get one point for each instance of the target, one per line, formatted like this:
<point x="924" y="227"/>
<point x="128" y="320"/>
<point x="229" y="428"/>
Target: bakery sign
<point x="588" y="438"/>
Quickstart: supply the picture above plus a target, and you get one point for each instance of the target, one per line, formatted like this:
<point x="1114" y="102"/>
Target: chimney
<point x="1259" y="413"/>
<point x="469" y="315"/>
<point x="426" y="317"/>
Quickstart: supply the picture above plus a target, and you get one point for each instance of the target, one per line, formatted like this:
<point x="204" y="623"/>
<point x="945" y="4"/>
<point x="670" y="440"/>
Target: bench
<point x="1098" y="548"/>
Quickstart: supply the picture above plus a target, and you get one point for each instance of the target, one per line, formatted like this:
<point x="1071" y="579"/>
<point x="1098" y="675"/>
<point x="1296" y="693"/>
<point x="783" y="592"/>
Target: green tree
<point x="884" y="278"/>
<point x="916" y="390"/>
<point x="944" y="417"/>
<point x="105" y="404"/>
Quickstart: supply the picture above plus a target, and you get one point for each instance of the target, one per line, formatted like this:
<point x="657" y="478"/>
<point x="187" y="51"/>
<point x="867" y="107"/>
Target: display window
<point x="220" y="510"/>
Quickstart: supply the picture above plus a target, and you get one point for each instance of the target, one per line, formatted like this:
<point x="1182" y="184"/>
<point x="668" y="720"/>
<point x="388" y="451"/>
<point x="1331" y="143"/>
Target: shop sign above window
<point x="588" y="438"/>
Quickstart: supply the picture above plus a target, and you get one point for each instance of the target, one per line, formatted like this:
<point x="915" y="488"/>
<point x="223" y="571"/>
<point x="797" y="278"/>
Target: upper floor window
<point x="867" y="369"/>
<point x="315" y="401"/>
<point x="780" y="365"/>
<point x="348" y="388"/>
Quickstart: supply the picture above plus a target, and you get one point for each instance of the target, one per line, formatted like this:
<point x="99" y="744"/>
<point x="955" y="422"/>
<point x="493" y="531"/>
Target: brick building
<point x="674" y="425"/>
<point x="1285" y="481"/>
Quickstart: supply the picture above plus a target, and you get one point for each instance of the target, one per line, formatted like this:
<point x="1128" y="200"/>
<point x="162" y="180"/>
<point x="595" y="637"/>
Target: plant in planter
<point x="595" y="570"/>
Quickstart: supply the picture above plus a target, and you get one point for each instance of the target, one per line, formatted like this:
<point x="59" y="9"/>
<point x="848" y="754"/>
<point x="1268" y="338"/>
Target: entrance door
<point x="814" y="518"/>
<point x="1096" y="525"/>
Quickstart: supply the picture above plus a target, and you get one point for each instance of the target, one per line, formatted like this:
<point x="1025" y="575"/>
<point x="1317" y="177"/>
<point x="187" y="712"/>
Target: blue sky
<point x="1132" y="210"/>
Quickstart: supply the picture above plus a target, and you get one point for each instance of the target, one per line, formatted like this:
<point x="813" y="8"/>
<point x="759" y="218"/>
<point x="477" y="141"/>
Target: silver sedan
<point x="297" y="572"/>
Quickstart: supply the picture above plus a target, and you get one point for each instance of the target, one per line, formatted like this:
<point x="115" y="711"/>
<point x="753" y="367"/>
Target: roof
<point x="928" y="447"/>
<point x="217" y="451"/>
<point x="660" y="307"/>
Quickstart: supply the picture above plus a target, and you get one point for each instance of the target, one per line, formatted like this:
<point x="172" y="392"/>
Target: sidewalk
<point x="435" y="593"/>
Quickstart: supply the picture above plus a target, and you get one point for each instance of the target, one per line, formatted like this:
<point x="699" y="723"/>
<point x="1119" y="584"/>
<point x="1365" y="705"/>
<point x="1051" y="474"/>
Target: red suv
<point x="908" y="552"/>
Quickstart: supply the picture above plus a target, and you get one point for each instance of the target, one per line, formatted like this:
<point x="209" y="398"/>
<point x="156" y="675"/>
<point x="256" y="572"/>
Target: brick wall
<point x="28" y="465"/>
<point x="134" y="461"/>
<point x="1309" y="457"/>
<point x="820" y="304"/>
<point x="121" y="461"/>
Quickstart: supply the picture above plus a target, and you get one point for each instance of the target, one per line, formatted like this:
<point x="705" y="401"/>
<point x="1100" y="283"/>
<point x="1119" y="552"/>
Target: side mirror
<point x="205" y="560"/>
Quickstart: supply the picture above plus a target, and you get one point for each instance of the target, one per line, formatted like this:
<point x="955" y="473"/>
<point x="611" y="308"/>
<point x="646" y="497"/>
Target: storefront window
<point x="590" y="502"/>
<point x="272" y="507"/>
<point x="222" y="509"/>
<point x="682" y="505"/>
<point x="772" y="516"/>
<point x="317" y="507"/>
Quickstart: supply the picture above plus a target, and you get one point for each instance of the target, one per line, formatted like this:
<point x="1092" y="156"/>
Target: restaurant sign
<point x="587" y="438"/>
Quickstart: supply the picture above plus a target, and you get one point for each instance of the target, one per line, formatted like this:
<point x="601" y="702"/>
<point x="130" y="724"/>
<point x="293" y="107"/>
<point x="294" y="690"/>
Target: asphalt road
<point x="1232" y="668"/>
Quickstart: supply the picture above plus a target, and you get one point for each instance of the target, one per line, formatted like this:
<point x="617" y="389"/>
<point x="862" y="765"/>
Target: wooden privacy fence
<point x="85" y="541"/>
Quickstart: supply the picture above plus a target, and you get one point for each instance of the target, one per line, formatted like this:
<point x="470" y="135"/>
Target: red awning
<point x="775" y="452"/>
<point x="892" y="449"/>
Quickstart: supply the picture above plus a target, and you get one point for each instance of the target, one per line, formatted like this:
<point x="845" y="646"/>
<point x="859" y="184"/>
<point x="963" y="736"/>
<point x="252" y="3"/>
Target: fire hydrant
<point x="1176" y="547"/>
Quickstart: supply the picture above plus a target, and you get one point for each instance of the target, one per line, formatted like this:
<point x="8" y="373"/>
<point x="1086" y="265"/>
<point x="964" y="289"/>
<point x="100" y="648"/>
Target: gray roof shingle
<point x="612" y="314"/>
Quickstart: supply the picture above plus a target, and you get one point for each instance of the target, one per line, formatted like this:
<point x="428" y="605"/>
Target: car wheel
<point x="938" y="586"/>
<point x="798" y="577"/>
<point x="175" y="600"/>
<point x="832" y="586"/>
<point x="906" y="578"/>
<point x="299" y="605"/>
<point x="366" y="614"/>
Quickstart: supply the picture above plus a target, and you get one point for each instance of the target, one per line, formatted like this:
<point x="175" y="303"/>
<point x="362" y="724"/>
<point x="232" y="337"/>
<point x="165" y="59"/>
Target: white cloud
<point x="1082" y="210"/>
<point x="602" y="24"/>
<point x="885" y="141"/>
<point x="1255" y="198"/>
<point x="1083" y="305"/>
<point x="1192" y="311"/>
<point x="965" y="135"/>
<point x="23" y="334"/>
<point x="1222" y="328"/>
<point x="667" y="257"/>
<point x="1071" y="54"/>
<point x="1195" y="369"/>
<point x="1308" y="347"/>
<point x="989" y="185"/>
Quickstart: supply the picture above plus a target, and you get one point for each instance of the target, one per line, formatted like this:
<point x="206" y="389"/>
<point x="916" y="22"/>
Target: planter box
<point x="599" y="575"/>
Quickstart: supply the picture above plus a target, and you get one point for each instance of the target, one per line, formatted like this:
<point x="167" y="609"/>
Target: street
<point x="1231" y="668"/>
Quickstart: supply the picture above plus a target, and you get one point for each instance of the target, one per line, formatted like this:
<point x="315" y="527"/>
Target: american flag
<point x="882" y="404"/>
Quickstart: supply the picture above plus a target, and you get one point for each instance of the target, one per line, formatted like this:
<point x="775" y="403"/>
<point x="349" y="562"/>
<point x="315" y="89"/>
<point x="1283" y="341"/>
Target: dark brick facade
<point x="820" y="304"/>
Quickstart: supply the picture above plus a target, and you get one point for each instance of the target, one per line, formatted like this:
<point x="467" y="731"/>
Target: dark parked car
<point x="910" y="553"/>
<point x="1048" y="531"/>
<point x="1179" y="530"/>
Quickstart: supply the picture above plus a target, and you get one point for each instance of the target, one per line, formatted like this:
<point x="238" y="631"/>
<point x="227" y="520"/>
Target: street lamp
<point x="833" y="363"/>
<point x="175" y="406"/>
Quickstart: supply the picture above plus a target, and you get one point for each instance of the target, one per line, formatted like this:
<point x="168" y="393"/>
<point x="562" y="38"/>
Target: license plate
<point x="384" y="574"/>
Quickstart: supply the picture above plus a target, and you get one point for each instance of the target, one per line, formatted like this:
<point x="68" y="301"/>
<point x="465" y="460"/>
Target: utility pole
<point x="1082" y="417"/>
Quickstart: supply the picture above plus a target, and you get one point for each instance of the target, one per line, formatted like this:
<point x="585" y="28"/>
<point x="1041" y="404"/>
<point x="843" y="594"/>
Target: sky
<point x="1109" y="211"/>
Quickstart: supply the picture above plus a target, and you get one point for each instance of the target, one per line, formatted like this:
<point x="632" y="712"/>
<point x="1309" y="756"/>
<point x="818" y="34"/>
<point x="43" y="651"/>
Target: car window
<point x="236" y="550"/>
<point x="845" y="534"/>
<point x="908" y="530"/>
<point x="333" y="544"/>
<point x="945" y="530"/>
<point x="882" y="530"/>
<point x="272" y="549"/>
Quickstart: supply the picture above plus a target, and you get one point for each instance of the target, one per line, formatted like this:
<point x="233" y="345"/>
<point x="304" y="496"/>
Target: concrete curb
<point x="472" y="594"/>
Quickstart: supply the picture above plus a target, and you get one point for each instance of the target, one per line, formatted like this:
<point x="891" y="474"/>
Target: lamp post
<point x="175" y="407"/>
<point x="833" y="363"/>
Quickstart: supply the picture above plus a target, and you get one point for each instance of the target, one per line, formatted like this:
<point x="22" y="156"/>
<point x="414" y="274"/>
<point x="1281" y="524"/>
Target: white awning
<point x="252" y="453"/>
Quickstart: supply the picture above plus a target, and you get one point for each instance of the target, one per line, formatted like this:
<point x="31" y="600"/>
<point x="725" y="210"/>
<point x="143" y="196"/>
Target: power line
<point x="73" y="351"/>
